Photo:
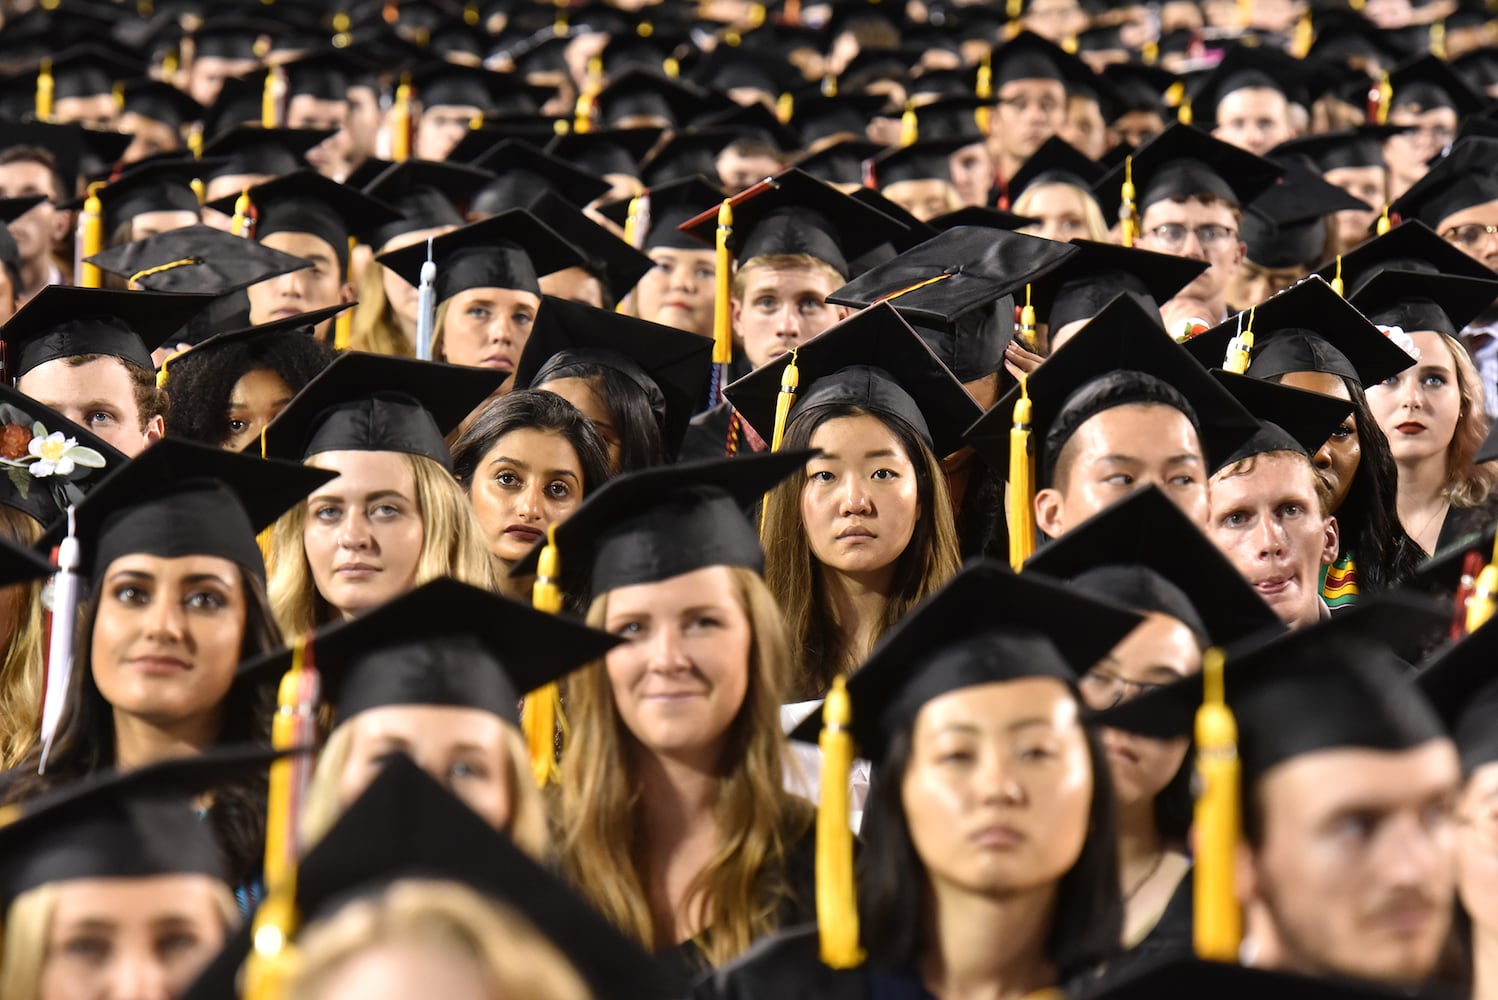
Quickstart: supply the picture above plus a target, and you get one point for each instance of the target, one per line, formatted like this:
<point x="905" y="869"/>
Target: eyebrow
<point x="507" y="460"/>
<point x="377" y="495"/>
<point x="1018" y="724"/>
<point x="140" y="574"/>
<point x="876" y="453"/>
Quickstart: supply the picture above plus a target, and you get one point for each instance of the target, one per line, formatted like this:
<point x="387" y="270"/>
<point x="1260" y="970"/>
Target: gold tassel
<point x="785" y="107"/>
<point x="199" y="190"/>
<point x="270" y="98"/>
<point x="829" y="85"/>
<point x="1021" y="481"/>
<point x="1384" y="225"/>
<point x="1184" y="114"/>
<point x="195" y="142"/>
<point x="1305" y="34"/>
<point x="1336" y="282"/>
<point x="1438" y="38"/>
<point x="239" y="225"/>
<point x="45" y="88"/>
<point x="632" y="221"/>
<point x="1027" y="331"/>
<point x="162" y="375"/>
<point x="1241" y="347"/>
<point x="559" y="26"/>
<point x="1128" y="223"/>
<point x="910" y="125"/>
<point x="400" y="121"/>
<point x="90" y="238"/>
<point x="273" y="958"/>
<point x="722" y="315"/>
<point x="1484" y="594"/>
<point x="343" y="326"/>
<point x="1218" y="926"/>
<point x="790" y="380"/>
<point x="983" y="90"/>
<point x="542" y="711"/>
<point x="837" y="896"/>
<point x="1385" y="96"/>
<point x="583" y="112"/>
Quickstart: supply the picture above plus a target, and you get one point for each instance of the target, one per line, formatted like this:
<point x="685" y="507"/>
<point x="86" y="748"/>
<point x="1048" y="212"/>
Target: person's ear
<point x="155" y="429"/>
<point x="346" y="293"/>
<point x="1331" y="542"/>
<point x="1241" y="253"/>
<point x="1048" y="512"/>
<point x="735" y="311"/>
<point x="1245" y="873"/>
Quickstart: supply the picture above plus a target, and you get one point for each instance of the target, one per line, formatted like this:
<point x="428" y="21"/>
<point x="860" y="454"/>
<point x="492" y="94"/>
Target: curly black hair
<point x="201" y="382"/>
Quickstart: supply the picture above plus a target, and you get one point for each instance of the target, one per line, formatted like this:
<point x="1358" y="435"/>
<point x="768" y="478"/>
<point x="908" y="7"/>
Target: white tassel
<point x="65" y="587"/>
<point x="426" y="307"/>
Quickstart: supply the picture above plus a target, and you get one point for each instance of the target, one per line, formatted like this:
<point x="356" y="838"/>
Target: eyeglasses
<point x="1101" y="689"/>
<point x="1171" y="236"/>
<point x="1439" y="135"/>
<point x="1469" y="236"/>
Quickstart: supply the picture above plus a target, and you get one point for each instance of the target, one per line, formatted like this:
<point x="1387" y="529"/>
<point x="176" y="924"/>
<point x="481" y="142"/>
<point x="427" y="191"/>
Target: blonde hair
<point x="1097" y="226"/>
<point x="784" y="262"/>
<point x="794" y="574"/>
<point x="739" y="891"/>
<point x="21" y="669"/>
<point x="528" y="821"/>
<point x="375" y="327"/>
<point x="28" y="924"/>
<point x="515" y="960"/>
<point x="452" y="545"/>
<point x="1467" y="483"/>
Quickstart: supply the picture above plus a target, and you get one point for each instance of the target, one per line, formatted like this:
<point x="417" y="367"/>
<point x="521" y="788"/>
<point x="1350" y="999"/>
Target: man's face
<point x="1268" y="521"/>
<point x="1355" y="871"/>
<point x="1254" y="118"/>
<point x="1029" y="112"/>
<point x="1367" y="184"/>
<point x="1117" y="452"/>
<point x="363" y="123"/>
<point x="441" y="128"/>
<point x="1428" y="132"/>
<point x="1084" y="127"/>
<point x="208" y="73"/>
<point x="148" y="137"/>
<point x="972" y="173"/>
<point x="95" y="111"/>
<point x="331" y="156"/>
<point x="1055" y="20"/>
<point x="1138" y="127"/>
<point x="925" y="197"/>
<point x="738" y="170"/>
<point x="1467" y="230"/>
<point x="41" y="227"/>
<point x="316" y="287"/>
<point x="782" y="308"/>
<point x="1180" y="228"/>
<point x="99" y="395"/>
<point x="1253" y="283"/>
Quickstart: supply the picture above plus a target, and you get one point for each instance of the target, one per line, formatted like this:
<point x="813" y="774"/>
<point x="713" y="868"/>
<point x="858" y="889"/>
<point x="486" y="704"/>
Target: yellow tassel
<point x="790" y="380"/>
<point x="239" y="225"/>
<point x="632" y="221"/>
<point x="1438" y="39"/>
<point x="757" y="15"/>
<point x="910" y="125"/>
<point x="1337" y="285"/>
<point x="1384" y="225"/>
<point x="1305" y="34"/>
<point x="400" y="121"/>
<point x="199" y="190"/>
<point x="1184" y="114"/>
<point x="1128" y="222"/>
<point x="1027" y="331"/>
<point x="983" y="89"/>
<point x="837" y="896"/>
<point x="280" y="837"/>
<point x="273" y="958"/>
<point x="1175" y="94"/>
<point x="1385" y="96"/>
<point x="1484" y="594"/>
<point x="1241" y="347"/>
<point x="270" y="98"/>
<point x="672" y="68"/>
<point x="829" y="85"/>
<point x="45" y="88"/>
<point x="90" y="238"/>
<point x="722" y="315"/>
<point x="1218" y="926"/>
<point x="785" y="107"/>
<point x="343" y="326"/>
<point x="171" y="63"/>
<point x="542" y="711"/>
<point x="163" y="376"/>
<point x="1014" y="8"/>
<point x="1021" y="481"/>
<point x="195" y="143"/>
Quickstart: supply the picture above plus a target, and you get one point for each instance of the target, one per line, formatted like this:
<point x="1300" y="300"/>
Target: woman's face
<point x="999" y="786"/>
<point x="167" y="635"/>
<point x="860" y="501"/>
<point x="1418" y="409"/>
<point x="397" y="969"/>
<point x="681" y="677"/>
<point x="530" y="480"/>
<point x="131" y="937"/>
<point x="463" y="748"/>
<point x="925" y="198"/>
<point x="488" y="327"/>
<point x="402" y="295"/>
<point x="364" y="530"/>
<point x="1062" y="211"/>
<point x="586" y="399"/>
<point x="255" y="401"/>
<point x="1477" y="850"/>
<point x="1337" y="460"/>
<point x="678" y="291"/>
<point x="1159" y="651"/>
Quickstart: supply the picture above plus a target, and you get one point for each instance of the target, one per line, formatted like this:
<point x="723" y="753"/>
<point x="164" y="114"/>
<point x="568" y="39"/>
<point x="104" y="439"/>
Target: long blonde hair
<point x="515" y="960"/>
<point x="794" y="574"/>
<point x="28" y="924"/>
<point x="600" y="823"/>
<point x="452" y="545"/>
<point x="21" y="670"/>
<point x="528" y="827"/>
<point x="1467" y="484"/>
<point x="375" y="327"/>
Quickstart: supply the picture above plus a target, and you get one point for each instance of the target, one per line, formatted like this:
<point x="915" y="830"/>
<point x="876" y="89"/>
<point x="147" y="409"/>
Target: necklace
<point x="1154" y="870"/>
<point x="1440" y="511"/>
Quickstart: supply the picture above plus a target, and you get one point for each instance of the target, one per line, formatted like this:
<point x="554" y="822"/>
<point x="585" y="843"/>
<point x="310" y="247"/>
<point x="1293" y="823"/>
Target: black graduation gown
<point x="1170" y="939"/>
<point x="784" y="966"/>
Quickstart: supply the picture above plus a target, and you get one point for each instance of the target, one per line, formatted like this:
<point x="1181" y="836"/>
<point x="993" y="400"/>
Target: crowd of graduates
<point x="748" y="500"/>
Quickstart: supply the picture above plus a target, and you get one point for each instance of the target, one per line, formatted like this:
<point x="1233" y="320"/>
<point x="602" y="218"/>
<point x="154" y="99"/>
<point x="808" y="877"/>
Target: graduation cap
<point x="1249" y="66"/>
<point x="611" y="151"/>
<point x="1290" y="419"/>
<point x="1356" y="147"/>
<point x="63" y="321"/>
<point x="374" y="402"/>
<point x="521" y="172"/>
<point x="234" y="37"/>
<point x="967" y="316"/>
<point x="37" y="485"/>
<point x="1087" y="281"/>
<point x="873" y="360"/>
<point x="179" y="498"/>
<point x="74" y="148"/>
<point x="916" y="231"/>
<point x="160" y="102"/>
<point x="752" y="123"/>
<point x="1056" y="161"/>
<point x="927" y="159"/>
<point x="1285" y="227"/>
<point x="1141" y="87"/>
<point x="953" y="117"/>
<point x="1463" y="688"/>
<point x="1307" y="327"/>
<point x="308" y="202"/>
<point x="509" y="250"/>
<point x="690" y="152"/>
<point x="1466" y="176"/>
<point x="1419" y="300"/>
<point x="445" y="84"/>
<point x="640" y="96"/>
<point x="323" y="74"/>
<point x="265" y="152"/>
<point x="1429" y="82"/>
<point x="670" y="206"/>
<point x="444" y="643"/>
<point x="987" y="625"/>
<point x="427" y="194"/>
<point x="1121" y="552"/>
<point x="90" y="70"/>
<point x="793" y="212"/>
<point x="671" y="367"/>
<point x="300" y="325"/>
<point x="662" y="522"/>
<point x="818" y="116"/>
<point x="123" y="824"/>
<point x="981" y="216"/>
<point x="614" y="262"/>
<point x="1184" y="162"/>
<point x="842" y="161"/>
<point x="1027" y="56"/>
<point x="157" y="186"/>
<point x="1122" y="357"/>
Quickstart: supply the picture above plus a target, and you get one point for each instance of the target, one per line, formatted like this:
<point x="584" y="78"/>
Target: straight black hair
<point x="637" y="418"/>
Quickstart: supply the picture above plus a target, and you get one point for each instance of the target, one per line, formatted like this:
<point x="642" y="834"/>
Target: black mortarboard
<point x="444" y="643"/>
<point x="986" y="626"/>
<point x="91" y="70"/>
<point x="179" y="498"/>
<point x="1141" y="87"/>
<point x="652" y="525"/>
<point x="1357" y="147"/>
<point x="255" y="151"/>
<point x="1307" y="328"/>
<point x="308" y="202"/>
<point x="521" y="172"/>
<point x="642" y="93"/>
<point x="427" y="194"/>
<point x="671" y="367"/>
<point x="123" y="824"/>
<point x="842" y="161"/>
<point x="445" y="84"/>
<point x="614" y="151"/>
<point x="1192" y="977"/>
<point x="728" y="68"/>
<point x="872" y="360"/>
<point x="818" y="116"/>
<point x="233" y="37"/>
<point x="753" y="123"/>
<point x="1027" y="56"/>
<point x="981" y="216"/>
<point x="1334" y="685"/>
<point x="1409" y="246"/>
<point x="1245" y="66"/>
<point x="1461" y="684"/>
<point x="1430" y="82"/>
<point x="793" y="213"/>
<point x="1290" y="419"/>
<point x="324" y="74"/>
<point x="300" y="325"/>
<point x="538" y="130"/>
<point x="915" y="232"/>
<point x="614" y="262"/>
<point x="951" y="118"/>
<point x="72" y="147"/>
<point x="46" y="498"/>
<point x="1184" y="161"/>
<point x="671" y="206"/>
<point x="1419" y="300"/>
<point x="1122" y="357"/>
<point x="1146" y="533"/>
<point x="374" y="402"/>
<point x="12" y="209"/>
<point x="62" y="321"/>
<point x="1056" y="161"/>
<point x="687" y="153"/>
<point x="158" y="186"/>
<point x="509" y="250"/>
<point x="1466" y="176"/>
<point x="1089" y="280"/>
<point x="928" y="159"/>
<point x="161" y="102"/>
<point x="967" y="318"/>
<point x="1285" y="227"/>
